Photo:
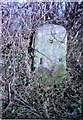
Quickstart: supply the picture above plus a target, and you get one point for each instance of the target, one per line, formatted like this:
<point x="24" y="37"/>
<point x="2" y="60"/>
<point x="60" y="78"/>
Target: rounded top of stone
<point x="51" y="26"/>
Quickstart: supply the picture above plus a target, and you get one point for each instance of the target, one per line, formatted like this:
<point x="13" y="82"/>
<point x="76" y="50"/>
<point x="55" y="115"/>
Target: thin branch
<point x="25" y="103"/>
<point x="42" y="54"/>
<point x="11" y="103"/>
<point x="45" y="14"/>
<point x="75" y="36"/>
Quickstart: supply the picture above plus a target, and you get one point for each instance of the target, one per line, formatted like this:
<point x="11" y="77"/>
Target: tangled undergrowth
<point x="22" y="96"/>
<point x="35" y="100"/>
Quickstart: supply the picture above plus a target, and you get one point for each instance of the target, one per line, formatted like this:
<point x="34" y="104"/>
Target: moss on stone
<point x="45" y="77"/>
<point x="60" y="74"/>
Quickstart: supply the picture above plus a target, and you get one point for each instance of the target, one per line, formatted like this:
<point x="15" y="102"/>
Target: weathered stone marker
<point x="51" y="49"/>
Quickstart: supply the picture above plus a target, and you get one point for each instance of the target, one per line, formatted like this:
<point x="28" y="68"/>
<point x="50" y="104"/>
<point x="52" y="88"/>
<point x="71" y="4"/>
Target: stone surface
<point x="51" y="48"/>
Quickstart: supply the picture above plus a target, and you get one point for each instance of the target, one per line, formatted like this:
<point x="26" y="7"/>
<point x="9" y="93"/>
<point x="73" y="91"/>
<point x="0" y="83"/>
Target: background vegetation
<point x="22" y="95"/>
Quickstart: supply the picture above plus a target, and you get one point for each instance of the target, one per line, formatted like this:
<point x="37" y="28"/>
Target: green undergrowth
<point x="52" y="77"/>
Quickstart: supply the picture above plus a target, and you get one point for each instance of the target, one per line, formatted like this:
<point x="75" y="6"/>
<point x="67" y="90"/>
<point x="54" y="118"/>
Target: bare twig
<point x="26" y="104"/>
<point x="42" y="54"/>
<point x="44" y="14"/>
<point x="11" y="103"/>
